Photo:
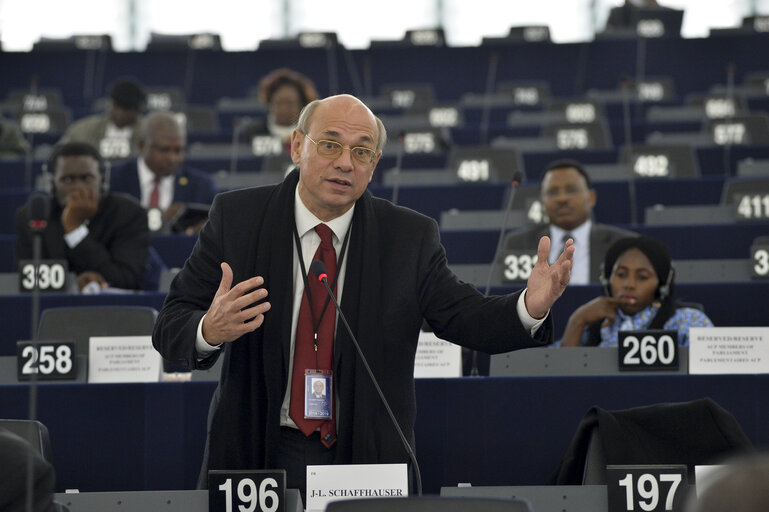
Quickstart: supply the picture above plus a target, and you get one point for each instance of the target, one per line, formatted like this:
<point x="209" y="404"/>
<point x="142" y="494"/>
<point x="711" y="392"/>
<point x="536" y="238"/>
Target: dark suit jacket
<point x="396" y="275"/>
<point x="190" y="186"/>
<point x="14" y="455"/>
<point x="691" y="433"/>
<point x="601" y="237"/>
<point x="117" y="245"/>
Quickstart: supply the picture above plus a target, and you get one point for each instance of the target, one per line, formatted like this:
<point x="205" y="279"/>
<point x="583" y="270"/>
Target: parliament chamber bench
<point x="487" y="431"/>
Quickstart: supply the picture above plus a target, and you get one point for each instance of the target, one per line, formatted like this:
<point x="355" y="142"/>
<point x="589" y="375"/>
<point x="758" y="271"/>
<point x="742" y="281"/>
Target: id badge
<point x="317" y="394"/>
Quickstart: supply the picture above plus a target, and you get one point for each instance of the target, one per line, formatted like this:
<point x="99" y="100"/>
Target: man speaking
<point x="388" y="271"/>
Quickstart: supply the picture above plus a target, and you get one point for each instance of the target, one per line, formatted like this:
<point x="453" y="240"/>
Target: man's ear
<point x="297" y="138"/>
<point x="376" y="161"/>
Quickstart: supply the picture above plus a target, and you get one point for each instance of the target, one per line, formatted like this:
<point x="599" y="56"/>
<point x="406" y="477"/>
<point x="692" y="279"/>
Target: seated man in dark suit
<point x="103" y="235"/>
<point x="113" y="133"/>
<point x="158" y="178"/>
<point x="568" y="199"/>
<point x="12" y="142"/>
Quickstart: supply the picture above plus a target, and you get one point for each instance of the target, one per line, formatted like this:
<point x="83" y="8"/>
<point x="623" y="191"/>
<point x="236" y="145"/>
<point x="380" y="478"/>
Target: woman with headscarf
<point x="637" y="276"/>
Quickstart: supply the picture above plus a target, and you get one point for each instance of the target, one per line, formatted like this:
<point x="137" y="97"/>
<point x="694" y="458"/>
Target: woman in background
<point x="285" y="93"/>
<point x="637" y="276"/>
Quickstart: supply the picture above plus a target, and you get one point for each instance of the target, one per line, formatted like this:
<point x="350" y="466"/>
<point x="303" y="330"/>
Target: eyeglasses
<point x="71" y="179"/>
<point x="332" y="149"/>
<point x="569" y="191"/>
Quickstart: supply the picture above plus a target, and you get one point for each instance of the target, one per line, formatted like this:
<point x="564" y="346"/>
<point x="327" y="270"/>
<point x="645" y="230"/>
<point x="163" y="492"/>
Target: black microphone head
<point x="39" y="209"/>
<point x="318" y="269"/>
<point x="517" y="177"/>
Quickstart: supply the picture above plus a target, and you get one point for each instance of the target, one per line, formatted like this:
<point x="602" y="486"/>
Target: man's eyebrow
<point x="336" y="134"/>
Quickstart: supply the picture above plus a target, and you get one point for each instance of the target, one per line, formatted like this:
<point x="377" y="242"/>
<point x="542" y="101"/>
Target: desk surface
<point x="482" y="430"/>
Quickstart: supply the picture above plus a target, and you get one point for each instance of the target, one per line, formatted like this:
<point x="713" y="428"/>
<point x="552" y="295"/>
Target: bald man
<point x="389" y="272"/>
<point x="158" y="178"/>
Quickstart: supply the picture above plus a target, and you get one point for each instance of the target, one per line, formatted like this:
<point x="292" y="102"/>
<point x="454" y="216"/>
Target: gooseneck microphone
<point x="319" y="270"/>
<point x="38" y="209"/>
<point x="627" y="127"/>
<point x="516" y="181"/>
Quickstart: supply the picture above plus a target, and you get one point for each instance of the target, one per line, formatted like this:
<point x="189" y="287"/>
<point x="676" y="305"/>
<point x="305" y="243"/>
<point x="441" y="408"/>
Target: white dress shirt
<point x="580" y="270"/>
<point x="310" y="240"/>
<point x="147" y="183"/>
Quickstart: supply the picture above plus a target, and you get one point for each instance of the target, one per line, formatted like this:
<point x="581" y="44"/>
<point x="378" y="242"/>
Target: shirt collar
<point x="580" y="233"/>
<point x="306" y="220"/>
<point x="146" y="176"/>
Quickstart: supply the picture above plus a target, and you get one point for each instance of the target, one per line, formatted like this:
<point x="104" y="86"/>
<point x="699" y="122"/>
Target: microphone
<point x="319" y="270"/>
<point x="517" y="178"/>
<point x="234" y="148"/>
<point x="625" y="87"/>
<point x="39" y="209"/>
<point x="491" y="78"/>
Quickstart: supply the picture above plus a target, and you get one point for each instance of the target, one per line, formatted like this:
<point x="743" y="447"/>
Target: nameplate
<point x="354" y="481"/>
<point x="647" y="350"/>
<point x="37" y="122"/>
<point x="437" y="358"/>
<point x="572" y="138"/>
<point x="51" y="275"/>
<point x="247" y="490"/>
<point x="651" y="488"/>
<point x="652" y="165"/>
<point x="264" y="145"/>
<point x="159" y="101"/>
<point x="46" y="360"/>
<point x="122" y="359"/>
<point x="535" y="212"/>
<point x="517" y="266"/>
<point x="714" y="350"/>
<point x="440" y="117"/>
<point x="752" y="206"/>
<point x="759" y="256"/>
<point x="419" y="142"/>
<point x="474" y="170"/>
<point x="155" y="219"/>
<point x="114" y="147"/>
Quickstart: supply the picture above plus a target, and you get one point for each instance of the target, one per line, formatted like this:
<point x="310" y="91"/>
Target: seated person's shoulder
<point x="693" y="317"/>
<point x="121" y="202"/>
<point x="526" y="238"/>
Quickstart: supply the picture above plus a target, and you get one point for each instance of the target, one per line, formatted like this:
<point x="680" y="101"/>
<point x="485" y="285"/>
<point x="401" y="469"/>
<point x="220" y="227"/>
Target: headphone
<point x="46" y="183"/>
<point x="663" y="290"/>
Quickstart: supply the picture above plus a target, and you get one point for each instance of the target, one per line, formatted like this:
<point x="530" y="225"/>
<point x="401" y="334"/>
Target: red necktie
<point x="306" y="356"/>
<point x="155" y="194"/>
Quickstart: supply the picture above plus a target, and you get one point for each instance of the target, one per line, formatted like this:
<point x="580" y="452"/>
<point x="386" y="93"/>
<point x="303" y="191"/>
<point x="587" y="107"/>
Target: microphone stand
<point x="629" y="146"/>
<point x="397" y="170"/>
<point x="514" y="186"/>
<point x="37" y="244"/>
<point x="491" y="78"/>
<point x="321" y="275"/>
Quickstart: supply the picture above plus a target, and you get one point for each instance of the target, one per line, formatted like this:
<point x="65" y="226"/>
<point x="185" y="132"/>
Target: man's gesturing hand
<point x="547" y="282"/>
<point x="233" y="313"/>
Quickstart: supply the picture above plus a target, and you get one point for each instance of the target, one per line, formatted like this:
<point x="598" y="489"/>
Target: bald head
<point x="162" y="142"/>
<point x="160" y="122"/>
<point x="343" y="105"/>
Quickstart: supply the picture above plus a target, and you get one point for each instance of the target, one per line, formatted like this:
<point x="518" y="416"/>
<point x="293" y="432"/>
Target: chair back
<point x="34" y="432"/>
<point x="80" y="323"/>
